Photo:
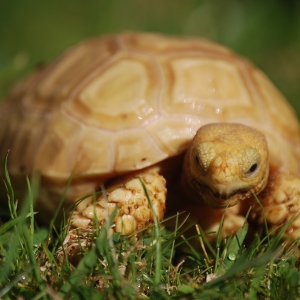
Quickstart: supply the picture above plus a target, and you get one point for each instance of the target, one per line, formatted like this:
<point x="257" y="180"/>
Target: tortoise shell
<point x="124" y="102"/>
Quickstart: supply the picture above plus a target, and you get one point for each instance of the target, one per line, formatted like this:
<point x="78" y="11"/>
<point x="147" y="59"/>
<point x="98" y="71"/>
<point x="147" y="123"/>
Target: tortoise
<point x="203" y="128"/>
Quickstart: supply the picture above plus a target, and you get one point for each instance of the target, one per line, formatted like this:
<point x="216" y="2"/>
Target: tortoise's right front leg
<point x="133" y="209"/>
<point x="133" y="213"/>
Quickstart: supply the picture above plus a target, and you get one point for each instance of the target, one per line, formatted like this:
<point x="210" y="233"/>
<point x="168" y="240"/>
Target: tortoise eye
<point x="252" y="169"/>
<point x="197" y="160"/>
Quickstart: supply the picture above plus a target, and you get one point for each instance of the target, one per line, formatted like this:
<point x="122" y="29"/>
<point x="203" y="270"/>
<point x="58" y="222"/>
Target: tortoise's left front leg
<point x="281" y="203"/>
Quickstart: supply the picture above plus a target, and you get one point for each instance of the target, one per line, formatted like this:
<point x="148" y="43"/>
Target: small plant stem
<point x="158" y="262"/>
<point x="202" y="244"/>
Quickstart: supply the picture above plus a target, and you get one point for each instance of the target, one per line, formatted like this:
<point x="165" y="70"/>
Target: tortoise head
<point x="226" y="163"/>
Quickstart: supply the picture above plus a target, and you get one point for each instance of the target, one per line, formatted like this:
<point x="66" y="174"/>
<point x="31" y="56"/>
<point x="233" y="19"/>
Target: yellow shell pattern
<point x="119" y="103"/>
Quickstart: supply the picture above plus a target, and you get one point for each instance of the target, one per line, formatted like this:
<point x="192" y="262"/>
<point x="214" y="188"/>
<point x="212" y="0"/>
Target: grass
<point x="146" y="265"/>
<point x="119" y="267"/>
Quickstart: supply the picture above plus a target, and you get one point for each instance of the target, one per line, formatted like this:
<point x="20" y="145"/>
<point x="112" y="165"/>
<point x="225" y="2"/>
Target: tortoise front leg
<point x="133" y="209"/>
<point x="281" y="203"/>
<point x="133" y="212"/>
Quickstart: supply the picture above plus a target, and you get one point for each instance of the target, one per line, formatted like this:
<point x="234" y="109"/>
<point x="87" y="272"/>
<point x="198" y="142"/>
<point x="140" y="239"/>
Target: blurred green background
<point x="265" y="31"/>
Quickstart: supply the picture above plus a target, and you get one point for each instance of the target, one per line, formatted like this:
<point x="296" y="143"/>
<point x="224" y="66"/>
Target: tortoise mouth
<point x="224" y="196"/>
<point x="221" y="200"/>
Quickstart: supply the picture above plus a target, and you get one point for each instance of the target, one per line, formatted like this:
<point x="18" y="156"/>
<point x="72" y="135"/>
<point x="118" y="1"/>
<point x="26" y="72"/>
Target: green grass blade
<point x="237" y="268"/>
<point x="29" y="245"/>
<point x="10" y="191"/>
<point x="9" y="224"/>
<point x="84" y="267"/>
<point x="61" y="202"/>
<point x="236" y="245"/>
<point x="158" y="262"/>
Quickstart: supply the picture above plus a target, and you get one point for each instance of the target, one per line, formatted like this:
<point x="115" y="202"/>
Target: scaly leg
<point x="281" y="203"/>
<point x="134" y="211"/>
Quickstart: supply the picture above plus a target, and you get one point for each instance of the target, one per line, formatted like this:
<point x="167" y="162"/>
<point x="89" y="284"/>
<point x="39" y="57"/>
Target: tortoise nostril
<point x="222" y="196"/>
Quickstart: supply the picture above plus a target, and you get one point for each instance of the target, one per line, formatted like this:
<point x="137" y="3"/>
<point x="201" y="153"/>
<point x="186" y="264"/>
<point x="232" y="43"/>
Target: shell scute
<point x="56" y="154"/>
<point x="207" y="87"/>
<point x="139" y="144"/>
<point x="122" y="94"/>
<point x="280" y="115"/>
